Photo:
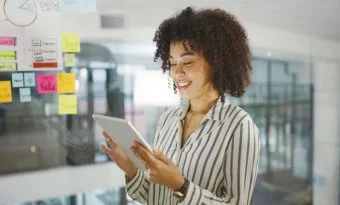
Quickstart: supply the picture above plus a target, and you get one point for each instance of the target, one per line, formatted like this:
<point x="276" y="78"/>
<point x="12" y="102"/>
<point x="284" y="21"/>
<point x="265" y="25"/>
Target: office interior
<point x="48" y="158"/>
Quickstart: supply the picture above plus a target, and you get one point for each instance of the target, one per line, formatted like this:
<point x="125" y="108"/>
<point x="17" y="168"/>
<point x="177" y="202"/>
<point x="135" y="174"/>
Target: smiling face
<point x="190" y="72"/>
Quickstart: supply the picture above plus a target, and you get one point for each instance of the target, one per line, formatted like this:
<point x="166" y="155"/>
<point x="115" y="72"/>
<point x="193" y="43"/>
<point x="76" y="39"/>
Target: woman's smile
<point x="183" y="85"/>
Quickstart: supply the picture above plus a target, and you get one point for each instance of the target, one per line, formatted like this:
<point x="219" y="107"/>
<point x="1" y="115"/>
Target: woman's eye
<point x="187" y="63"/>
<point x="172" y="65"/>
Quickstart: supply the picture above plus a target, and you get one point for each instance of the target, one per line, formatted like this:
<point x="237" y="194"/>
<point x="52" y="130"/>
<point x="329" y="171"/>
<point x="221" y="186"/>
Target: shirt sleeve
<point x="138" y="187"/>
<point x="240" y="168"/>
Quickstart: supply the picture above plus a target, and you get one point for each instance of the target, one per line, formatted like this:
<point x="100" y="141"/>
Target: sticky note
<point x="70" y="59"/>
<point x="7" y="41"/>
<point x="8" y="66"/>
<point x="8" y="55"/>
<point x="45" y="64"/>
<point x="25" y="94"/>
<point x="68" y="104"/>
<point x="5" y="92"/>
<point x="17" y="80"/>
<point x="29" y="79"/>
<point x="78" y="5"/>
<point x="46" y="83"/>
<point x="66" y="83"/>
<point x="71" y="42"/>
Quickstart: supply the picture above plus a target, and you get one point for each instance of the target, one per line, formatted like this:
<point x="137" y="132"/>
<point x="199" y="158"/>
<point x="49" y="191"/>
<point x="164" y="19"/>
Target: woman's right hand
<point x="118" y="156"/>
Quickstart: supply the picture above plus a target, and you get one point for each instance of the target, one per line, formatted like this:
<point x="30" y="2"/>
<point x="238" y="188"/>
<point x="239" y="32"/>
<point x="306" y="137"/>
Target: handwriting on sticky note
<point x="25" y="95"/>
<point x="8" y="66"/>
<point x="17" y="80"/>
<point x="71" y="42"/>
<point x="66" y="83"/>
<point x="69" y="59"/>
<point x="7" y="41"/>
<point x="5" y="92"/>
<point x="46" y="83"/>
<point x="29" y="79"/>
<point x="8" y="55"/>
<point x="68" y="104"/>
<point x="49" y="5"/>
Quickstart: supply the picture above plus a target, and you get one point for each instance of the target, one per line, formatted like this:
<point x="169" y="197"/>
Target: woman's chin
<point x="184" y="96"/>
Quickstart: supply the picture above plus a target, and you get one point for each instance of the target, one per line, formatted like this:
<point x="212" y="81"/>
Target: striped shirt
<point x="220" y="158"/>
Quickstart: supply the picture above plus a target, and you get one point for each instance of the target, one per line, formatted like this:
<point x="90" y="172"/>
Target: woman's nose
<point x="178" y="70"/>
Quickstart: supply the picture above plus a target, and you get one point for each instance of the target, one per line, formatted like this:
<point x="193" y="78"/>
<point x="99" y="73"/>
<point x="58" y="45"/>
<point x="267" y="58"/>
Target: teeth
<point x="183" y="83"/>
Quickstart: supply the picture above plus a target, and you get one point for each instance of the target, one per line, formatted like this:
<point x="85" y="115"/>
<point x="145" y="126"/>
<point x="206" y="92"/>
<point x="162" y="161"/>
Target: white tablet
<point x="123" y="134"/>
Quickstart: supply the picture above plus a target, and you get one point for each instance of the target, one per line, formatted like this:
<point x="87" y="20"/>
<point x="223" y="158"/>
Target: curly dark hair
<point x="219" y="37"/>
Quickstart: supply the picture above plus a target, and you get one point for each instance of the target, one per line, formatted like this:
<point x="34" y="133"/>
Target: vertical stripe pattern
<point x="220" y="158"/>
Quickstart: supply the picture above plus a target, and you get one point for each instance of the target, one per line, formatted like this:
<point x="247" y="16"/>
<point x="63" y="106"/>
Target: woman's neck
<point x="204" y="103"/>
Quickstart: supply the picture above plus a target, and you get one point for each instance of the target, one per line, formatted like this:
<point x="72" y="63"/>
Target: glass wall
<point x="117" y="83"/>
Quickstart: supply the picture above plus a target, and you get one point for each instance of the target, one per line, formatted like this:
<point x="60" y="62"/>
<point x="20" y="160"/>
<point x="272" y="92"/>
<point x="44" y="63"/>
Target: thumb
<point x="159" y="155"/>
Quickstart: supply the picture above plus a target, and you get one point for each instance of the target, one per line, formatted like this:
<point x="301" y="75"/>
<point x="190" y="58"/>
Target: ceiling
<point x="315" y="18"/>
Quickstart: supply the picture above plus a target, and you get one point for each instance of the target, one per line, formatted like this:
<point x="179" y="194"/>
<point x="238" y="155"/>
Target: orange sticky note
<point x="5" y="92"/>
<point x="66" y="83"/>
<point x="68" y="104"/>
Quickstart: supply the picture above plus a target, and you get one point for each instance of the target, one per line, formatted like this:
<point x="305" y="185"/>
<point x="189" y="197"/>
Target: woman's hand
<point x="161" y="169"/>
<point x="118" y="156"/>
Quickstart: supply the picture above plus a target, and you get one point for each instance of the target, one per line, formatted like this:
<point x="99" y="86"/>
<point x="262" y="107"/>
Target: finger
<point x="109" y="140"/>
<point x="144" y="152"/>
<point x="159" y="155"/>
<point x="145" y="155"/>
<point x="152" y="177"/>
<point x="139" y="153"/>
<point x="106" y="149"/>
<point x="145" y="165"/>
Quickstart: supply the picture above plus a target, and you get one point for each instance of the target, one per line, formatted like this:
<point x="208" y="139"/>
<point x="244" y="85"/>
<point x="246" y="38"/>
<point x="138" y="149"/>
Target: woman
<point x="206" y="152"/>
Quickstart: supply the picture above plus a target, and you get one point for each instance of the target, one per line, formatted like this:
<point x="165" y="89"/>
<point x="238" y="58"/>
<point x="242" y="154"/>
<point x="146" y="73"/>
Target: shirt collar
<point x="213" y="113"/>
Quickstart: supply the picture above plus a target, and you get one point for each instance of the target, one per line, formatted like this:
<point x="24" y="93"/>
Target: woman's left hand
<point x="161" y="169"/>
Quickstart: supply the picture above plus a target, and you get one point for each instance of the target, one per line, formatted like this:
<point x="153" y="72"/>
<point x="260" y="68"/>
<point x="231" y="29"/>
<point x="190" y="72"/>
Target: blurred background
<point x="294" y="99"/>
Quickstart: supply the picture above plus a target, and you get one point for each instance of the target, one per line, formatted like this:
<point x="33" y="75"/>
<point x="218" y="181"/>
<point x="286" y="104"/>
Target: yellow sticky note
<point x="5" y="92"/>
<point x="66" y="83"/>
<point x="8" y="66"/>
<point x="68" y="104"/>
<point x="70" y="59"/>
<point x="8" y="55"/>
<point x="71" y="42"/>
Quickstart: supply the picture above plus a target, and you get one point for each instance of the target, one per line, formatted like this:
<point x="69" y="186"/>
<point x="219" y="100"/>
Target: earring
<point x="175" y="88"/>
<point x="169" y="81"/>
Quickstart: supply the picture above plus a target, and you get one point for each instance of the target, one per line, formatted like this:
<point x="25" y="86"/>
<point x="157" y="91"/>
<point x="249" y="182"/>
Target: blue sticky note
<point x="78" y="5"/>
<point x="17" y="80"/>
<point x="25" y="94"/>
<point x="29" y="79"/>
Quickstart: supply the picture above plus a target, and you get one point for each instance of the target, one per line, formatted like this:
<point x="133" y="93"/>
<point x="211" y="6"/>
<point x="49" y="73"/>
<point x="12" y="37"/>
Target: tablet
<point x="123" y="134"/>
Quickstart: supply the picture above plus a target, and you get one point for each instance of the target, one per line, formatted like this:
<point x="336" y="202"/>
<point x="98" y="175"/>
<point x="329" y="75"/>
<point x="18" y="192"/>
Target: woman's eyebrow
<point x="185" y="54"/>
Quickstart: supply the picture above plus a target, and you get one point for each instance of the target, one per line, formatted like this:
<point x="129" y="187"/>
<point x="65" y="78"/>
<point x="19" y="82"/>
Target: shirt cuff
<point x="135" y="181"/>
<point x="192" y="196"/>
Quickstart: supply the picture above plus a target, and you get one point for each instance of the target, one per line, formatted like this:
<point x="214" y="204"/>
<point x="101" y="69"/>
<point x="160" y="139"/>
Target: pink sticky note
<point x="7" y="41"/>
<point x="46" y="83"/>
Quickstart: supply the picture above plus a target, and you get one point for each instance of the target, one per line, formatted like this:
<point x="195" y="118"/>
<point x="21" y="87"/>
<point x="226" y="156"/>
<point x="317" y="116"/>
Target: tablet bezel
<point x="119" y="139"/>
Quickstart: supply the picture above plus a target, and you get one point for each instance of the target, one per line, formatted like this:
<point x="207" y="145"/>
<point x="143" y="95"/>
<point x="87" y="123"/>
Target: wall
<point x="68" y="180"/>
<point x="326" y="133"/>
